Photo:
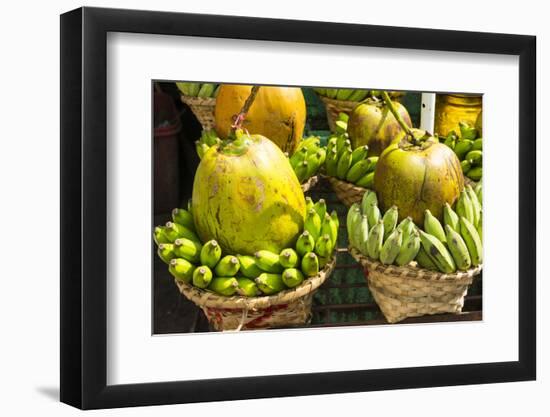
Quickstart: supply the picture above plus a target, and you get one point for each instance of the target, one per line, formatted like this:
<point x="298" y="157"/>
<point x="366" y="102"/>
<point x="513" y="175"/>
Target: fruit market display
<point x="350" y="94"/>
<point x="468" y="147"/>
<point x="308" y="158"/>
<point x="204" y="90"/>
<point x="455" y="243"/>
<point x="277" y="113"/>
<point x="205" y="265"/>
<point x="346" y="163"/>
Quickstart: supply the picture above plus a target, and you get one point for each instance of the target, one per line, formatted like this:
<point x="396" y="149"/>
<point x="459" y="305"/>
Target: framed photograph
<point x="259" y="208"/>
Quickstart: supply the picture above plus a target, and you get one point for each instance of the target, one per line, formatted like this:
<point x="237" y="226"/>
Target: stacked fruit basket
<point x="375" y="240"/>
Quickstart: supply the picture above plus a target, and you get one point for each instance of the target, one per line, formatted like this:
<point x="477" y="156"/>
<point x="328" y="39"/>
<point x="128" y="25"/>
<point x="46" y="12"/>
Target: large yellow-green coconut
<point x="417" y="173"/>
<point x="247" y="197"/>
<point x="278" y="113"/>
<point x="371" y="123"/>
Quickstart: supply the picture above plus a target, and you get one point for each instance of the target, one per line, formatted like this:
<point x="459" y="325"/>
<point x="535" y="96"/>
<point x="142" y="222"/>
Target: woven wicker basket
<point x="408" y="291"/>
<point x="310" y="183"/>
<point x="202" y="108"/>
<point x="289" y="307"/>
<point x="346" y="192"/>
<point x="335" y="107"/>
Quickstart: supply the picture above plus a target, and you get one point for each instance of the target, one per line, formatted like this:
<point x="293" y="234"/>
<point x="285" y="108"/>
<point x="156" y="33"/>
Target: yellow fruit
<point x="371" y="123"/>
<point x="278" y="113"/>
<point x="247" y="197"/>
<point x="418" y="174"/>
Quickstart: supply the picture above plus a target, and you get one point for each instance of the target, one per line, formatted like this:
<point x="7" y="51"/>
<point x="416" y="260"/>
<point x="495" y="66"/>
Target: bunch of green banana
<point x="351" y="165"/>
<point x="468" y="148"/>
<point x="456" y="242"/>
<point x="378" y="236"/>
<point x="308" y="157"/>
<point x="206" y="267"/>
<point x="203" y="90"/>
<point x="208" y="139"/>
<point x="349" y="94"/>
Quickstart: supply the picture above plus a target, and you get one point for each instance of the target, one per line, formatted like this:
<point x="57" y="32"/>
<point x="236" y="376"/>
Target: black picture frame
<point x="84" y="207"/>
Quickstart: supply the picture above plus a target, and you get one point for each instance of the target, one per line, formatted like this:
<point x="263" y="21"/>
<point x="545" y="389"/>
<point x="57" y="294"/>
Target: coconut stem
<point x="239" y="119"/>
<point x="396" y="114"/>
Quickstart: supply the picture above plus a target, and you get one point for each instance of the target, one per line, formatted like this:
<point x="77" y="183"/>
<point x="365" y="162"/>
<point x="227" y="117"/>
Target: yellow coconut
<point x="247" y="197"/>
<point x="372" y="123"/>
<point x="278" y="113"/>
<point x="417" y="173"/>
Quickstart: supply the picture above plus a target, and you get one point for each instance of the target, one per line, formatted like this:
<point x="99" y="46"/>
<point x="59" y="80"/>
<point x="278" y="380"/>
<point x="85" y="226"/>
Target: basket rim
<point x="338" y="103"/>
<point x="345" y="184"/>
<point x="198" y="101"/>
<point x="310" y="183"/>
<point x="412" y="271"/>
<point x="204" y="298"/>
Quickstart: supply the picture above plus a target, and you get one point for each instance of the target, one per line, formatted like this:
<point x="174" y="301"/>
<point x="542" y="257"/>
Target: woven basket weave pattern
<point x="346" y="192"/>
<point x="292" y="306"/>
<point x="334" y="108"/>
<point x="310" y="183"/>
<point x="408" y="291"/>
<point x="203" y="109"/>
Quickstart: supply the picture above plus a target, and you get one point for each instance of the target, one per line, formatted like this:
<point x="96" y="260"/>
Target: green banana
<point x="343" y="117"/>
<point x="343" y="144"/>
<point x="183" y="87"/>
<point x="340" y="126"/>
<point x="321" y="155"/>
<point x="301" y="171"/>
<point x="476" y="206"/>
<point x="458" y="249"/>
<point x="437" y="252"/>
<point x="248" y="266"/>
<point x="210" y="137"/>
<point x="373" y="160"/>
<point x="320" y="91"/>
<point x="310" y="264"/>
<point x="373" y="214"/>
<point x="466" y="166"/>
<point x="202" y="276"/>
<point x="247" y="287"/>
<point x="174" y="231"/>
<point x="298" y="157"/>
<point x="479" y="227"/>
<point x="312" y="224"/>
<point x="313" y="163"/>
<point x="464" y="206"/>
<point x="462" y="147"/>
<point x="165" y="251"/>
<point x="305" y="243"/>
<point x="467" y="131"/>
<point x="331" y="144"/>
<point x="357" y="171"/>
<point x="368" y="199"/>
<point x="183" y="217"/>
<point x="270" y="283"/>
<point x="268" y="261"/>
<point x="390" y="220"/>
<point x="210" y="253"/>
<point x="473" y="242"/>
<point x="331" y="163"/>
<point x="361" y="234"/>
<point x="408" y="227"/>
<point x="424" y="260"/>
<point x="321" y="208"/>
<point x="475" y="158"/>
<point x="335" y="219"/>
<point x="216" y="91"/>
<point x="391" y="247"/>
<point x="409" y="249"/>
<point x="181" y="269"/>
<point x="158" y="235"/>
<point x="353" y="231"/>
<point x="359" y="154"/>
<point x="187" y="249"/>
<point x="331" y="92"/>
<point x="344" y="93"/>
<point x="479" y="192"/>
<point x="329" y="227"/>
<point x="358" y="95"/>
<point x="228" y="266"/>
<point x="292" y="277"/>
<point x="226" y="286"/>
<point x="450" y="218"/>
<point x="433" y="226"/>
<point x="324" y="246"/>
<point x="375" y="240"/>
<point x="450" y="140"/>
<point x="344" y="164"/>
<point x="309" y="203"/>
<point x="288" y="258"/>
<point x="478" y="145"/>
<point x="206" y="90"/>
<point x="475" y="173"/>
<point x="194" y="89"/>
<point x="367" y="181"/>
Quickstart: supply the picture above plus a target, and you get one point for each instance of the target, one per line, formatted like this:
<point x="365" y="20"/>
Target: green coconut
<point x="372" y="123"/>
<point x="416" y="173"/>
<point x="247" y="197"/>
